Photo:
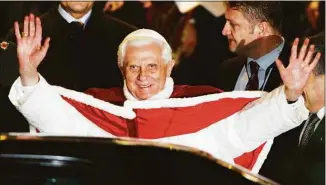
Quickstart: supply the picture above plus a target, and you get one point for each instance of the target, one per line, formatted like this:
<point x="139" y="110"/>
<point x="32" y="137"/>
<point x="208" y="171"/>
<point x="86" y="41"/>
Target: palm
<point x="29" y="54"/>
<point x="29" y="50"/>
<point x="296" y="74"/>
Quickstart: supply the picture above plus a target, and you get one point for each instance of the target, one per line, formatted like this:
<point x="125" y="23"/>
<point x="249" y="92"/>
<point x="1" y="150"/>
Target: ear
<point x="169" y="67"/>
<point x="122" y="71"/>
<point x="262" y="29"/>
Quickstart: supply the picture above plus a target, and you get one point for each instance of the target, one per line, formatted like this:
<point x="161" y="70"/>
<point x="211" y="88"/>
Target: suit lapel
<point x="319" y="135"/>
<point x="233" y="71"/>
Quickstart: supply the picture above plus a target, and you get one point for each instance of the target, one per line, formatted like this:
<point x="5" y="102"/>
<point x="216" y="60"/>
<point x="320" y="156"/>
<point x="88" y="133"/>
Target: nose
<point x="226" y="29"/>
<point x="142" y="76"/>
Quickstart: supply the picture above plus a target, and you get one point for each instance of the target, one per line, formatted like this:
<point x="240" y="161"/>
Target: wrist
<point x="29" y="79"/>
<point x="292" y="95"/>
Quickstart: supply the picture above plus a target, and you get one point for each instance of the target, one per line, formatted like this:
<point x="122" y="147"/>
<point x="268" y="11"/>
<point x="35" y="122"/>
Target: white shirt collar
<point x="321" y="113"/>
<point x="268" y="59"/>
<point x="70" y="18"/>
<point x="164" y="94"/>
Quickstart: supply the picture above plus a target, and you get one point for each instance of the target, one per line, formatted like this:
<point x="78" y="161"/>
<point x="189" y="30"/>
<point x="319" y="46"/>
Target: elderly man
<point x="152" y="106"/>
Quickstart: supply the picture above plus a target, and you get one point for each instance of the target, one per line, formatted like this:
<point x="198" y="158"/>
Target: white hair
<point x="143" y="37"/>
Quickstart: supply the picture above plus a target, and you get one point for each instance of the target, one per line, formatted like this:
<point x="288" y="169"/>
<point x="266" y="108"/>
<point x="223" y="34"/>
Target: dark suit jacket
<point x="82" y="61"/>
<point x="229" y="71"/>
<point x="287" y="165"/>
<point x="74" y="61"/>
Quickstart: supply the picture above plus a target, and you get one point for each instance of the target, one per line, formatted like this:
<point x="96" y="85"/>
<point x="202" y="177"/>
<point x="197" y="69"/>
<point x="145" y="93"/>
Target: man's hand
<point x="30" y="52"/>
<point x="112" y="6"/>
<point x="296" y="75"/>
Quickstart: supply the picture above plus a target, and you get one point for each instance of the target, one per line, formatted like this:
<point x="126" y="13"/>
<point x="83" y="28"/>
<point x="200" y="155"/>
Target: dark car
<point x="45" y="160"/>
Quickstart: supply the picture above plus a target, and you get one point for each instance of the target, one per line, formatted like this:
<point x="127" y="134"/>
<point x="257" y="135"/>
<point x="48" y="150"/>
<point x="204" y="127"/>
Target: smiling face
<point x="144" y="70"/>
<point x="238" y="30"/>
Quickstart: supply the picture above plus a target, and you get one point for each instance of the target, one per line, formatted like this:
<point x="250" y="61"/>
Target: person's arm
<point x="45" y="110"/>
<point x="43" y="107"/>
<point x="244" y="131"/>
<point x="262" y="119"/>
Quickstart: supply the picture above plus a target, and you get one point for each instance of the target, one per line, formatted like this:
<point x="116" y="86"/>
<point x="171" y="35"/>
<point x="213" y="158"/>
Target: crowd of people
<point x="238" y="86"/>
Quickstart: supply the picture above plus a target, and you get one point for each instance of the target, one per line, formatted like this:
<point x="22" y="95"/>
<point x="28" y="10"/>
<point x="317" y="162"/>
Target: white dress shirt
<point x="70" y="18"/>
<point x="264" y="63"/>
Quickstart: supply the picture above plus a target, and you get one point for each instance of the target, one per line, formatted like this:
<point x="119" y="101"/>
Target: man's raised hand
<point x="296" y="74"/>
<point x="30" y="52"/>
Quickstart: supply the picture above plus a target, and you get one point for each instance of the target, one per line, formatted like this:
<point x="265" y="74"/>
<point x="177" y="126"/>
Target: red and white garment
<point x="232" y="126"/>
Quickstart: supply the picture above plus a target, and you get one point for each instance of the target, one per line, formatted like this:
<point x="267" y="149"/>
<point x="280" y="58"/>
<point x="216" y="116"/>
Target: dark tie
<point x="76" y="27"/>
<point x="253" y="80"/>
<point x="309" y="130"/>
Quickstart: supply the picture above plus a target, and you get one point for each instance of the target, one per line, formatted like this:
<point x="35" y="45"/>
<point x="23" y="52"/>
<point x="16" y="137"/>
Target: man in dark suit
<point x="82" y="55"/>
<point x="298" y="156"/>
<point x="84" y="42"/>
<point x="253" y="30"/>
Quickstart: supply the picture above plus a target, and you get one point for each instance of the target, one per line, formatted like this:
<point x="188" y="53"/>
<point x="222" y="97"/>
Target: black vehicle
<point x="45" y="160"/>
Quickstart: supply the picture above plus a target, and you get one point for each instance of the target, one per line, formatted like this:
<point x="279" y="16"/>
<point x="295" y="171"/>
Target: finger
<point x="294" y="49"/>
<point x="46" y="45"/>
<point x="26" y="20"/>
<point x="303" y="49"/>
<point x="38" y="30"/>
<point x="31" y="25"/>
<point x="44" y="49"/>
<point x="17" y="32"/>
<point x="315" y="61"/>
<point x="309" y="55"/>
<point x="279" y="65"/>
<point x="107" y="6"/>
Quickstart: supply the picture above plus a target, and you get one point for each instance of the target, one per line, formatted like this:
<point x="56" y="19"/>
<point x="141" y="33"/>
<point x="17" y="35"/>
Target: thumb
<point x="44" y="49"/>
<point x="279" y="65"/>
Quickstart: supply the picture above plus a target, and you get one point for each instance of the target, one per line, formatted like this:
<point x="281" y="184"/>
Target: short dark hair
<point x="269" y="11"/>
<point x="319" y="41"/>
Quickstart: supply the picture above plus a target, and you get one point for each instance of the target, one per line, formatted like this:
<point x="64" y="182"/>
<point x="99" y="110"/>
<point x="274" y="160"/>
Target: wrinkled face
<point x="145" y="71"/>
<point x="238" y="30"/>
<point x="77" y="7"/>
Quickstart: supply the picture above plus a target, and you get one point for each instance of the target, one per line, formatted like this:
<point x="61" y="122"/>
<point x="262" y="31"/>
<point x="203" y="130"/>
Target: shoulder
<point x="182" y="91"/>
<point x="234" y="60"/>
<point x="231" y="64"/>
<point x="47" y="19"/>
<point x="111" y="24"/>
<point x="108" y="28"/>
<point x="113" y="95"/>
<point x="118" y="23"/>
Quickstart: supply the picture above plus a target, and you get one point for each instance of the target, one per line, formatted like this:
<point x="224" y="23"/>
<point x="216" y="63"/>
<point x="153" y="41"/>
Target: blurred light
<point x="185" y="7"/>
<point x="3" y="137"/>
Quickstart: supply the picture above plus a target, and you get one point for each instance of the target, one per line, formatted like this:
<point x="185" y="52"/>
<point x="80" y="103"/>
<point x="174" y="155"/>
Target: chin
<point x="144" y="97"/>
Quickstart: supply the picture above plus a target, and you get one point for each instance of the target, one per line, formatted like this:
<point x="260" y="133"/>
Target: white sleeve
<point x="245" y="130"/>
<point x="45" y="110"/>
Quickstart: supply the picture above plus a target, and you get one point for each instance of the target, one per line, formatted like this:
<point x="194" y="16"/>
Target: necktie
<point x="76" y="27"/>
<point x="309" y="130"/>
<point x="253" y="80"/>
